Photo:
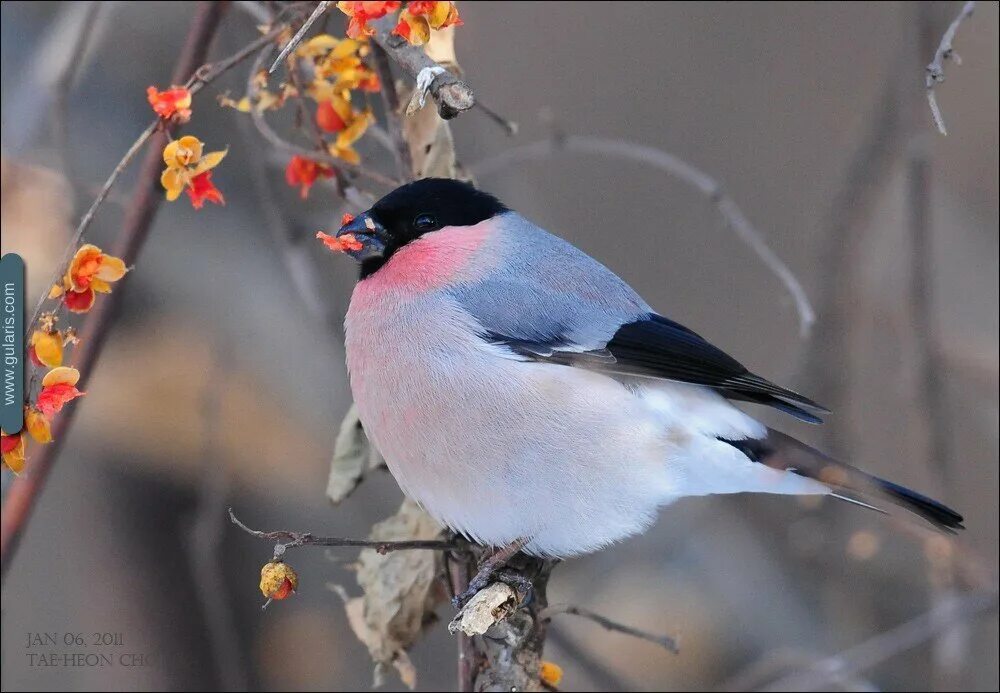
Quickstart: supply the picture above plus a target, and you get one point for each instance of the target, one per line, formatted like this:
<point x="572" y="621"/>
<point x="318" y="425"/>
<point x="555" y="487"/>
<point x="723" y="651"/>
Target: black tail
<point x="938" y="514"/>
<point x="784" y="452"/>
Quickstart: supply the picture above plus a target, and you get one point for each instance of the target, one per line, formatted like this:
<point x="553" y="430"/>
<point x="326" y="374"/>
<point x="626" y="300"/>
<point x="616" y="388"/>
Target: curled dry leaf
<point x="489" y="607"/>
<point x="399" y="592"/>
<point x="353" y="457"/>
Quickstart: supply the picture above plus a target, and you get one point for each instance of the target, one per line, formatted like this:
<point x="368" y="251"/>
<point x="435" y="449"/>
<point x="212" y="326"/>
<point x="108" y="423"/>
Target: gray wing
<point x="540" y="294"/>
<point x="547" y="300"/>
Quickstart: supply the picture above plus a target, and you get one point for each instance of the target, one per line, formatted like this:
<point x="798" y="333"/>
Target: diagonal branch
<point x="886" y="645"/>
<point x="300" y="34"/>
<point x="288" y="540"/>
<point x="664" y="161"/>
<point x="202" y="77"/>
<point x="665" y="641"/>
<point x="945" y="51"/>
<point x="24" y="492"/>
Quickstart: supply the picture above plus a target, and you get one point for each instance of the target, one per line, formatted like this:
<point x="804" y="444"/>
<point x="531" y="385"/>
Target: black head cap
<point x="427" y="205"/>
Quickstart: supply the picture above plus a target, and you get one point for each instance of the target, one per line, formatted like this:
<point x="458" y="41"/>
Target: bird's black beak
<point x="370" y="235"/>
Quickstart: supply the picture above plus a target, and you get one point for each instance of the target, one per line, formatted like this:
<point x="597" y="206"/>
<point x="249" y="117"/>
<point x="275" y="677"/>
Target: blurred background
<point x="222" y="385"/>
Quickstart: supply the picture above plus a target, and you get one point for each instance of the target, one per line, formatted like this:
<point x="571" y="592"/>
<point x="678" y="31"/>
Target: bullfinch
<point x="523" y="393"/>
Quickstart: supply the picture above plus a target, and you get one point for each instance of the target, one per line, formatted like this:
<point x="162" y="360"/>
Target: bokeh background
<point x="223" y="383"/>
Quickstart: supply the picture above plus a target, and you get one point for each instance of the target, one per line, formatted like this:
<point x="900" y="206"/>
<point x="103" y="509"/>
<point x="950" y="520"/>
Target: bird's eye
<point x="425" y="222"/>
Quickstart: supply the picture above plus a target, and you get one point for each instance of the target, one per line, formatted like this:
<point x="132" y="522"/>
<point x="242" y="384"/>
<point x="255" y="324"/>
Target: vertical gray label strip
<point x="12" y="342"/>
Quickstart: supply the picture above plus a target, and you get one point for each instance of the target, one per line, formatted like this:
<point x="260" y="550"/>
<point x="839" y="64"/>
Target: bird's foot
<point x="492" y="567"/>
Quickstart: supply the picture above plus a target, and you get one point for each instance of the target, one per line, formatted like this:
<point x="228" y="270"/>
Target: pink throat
<point x="430" y="261"/>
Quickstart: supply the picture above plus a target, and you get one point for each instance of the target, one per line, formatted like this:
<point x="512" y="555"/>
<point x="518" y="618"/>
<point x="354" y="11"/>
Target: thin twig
<point x="300" y="268"/>
<point x="288" y="540"/>
<point x="24" y="492"/>
<point x="300" y="34"/>
<point x="664" y="161"/>
<point x="390" y="101"/>
<point x="207" y="73"/>
<point x="948" y="652"/>
<point x="201" y="78"/>
<point x="945" y="51"/>
<point x="293" y="75"/>
<point x="452" y="95"/>
<point x="458" y="568"/>
<point x="664" y="641"/>
<point x="292" y="68"/>
<point x="300" y="103"/>
<point x="88" y="217"/>
<point x="274" y="138"/>
<point x="510" y="126"/>
<point x="888" y="644"/>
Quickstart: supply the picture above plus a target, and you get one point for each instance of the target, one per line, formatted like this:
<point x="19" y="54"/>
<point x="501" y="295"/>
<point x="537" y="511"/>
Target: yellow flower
<point x="46" y="348"/>
<point x="185" y="162"/>
<point x="62" y="375"/>
<point x="12" y="450"/>
<point x="37" y="426"/>
<point x="90" y="271"/>
<point x="325" y="45"/>
<point x="263" y="100"/>
<point x="342" y="147"/>
<point x="91" y="268"/>
<point x="338" y="66"/>
<point x="420" y="16"/>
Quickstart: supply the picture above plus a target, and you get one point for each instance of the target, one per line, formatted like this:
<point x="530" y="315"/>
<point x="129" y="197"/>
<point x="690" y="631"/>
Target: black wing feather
<point x="654" y="346"/>
<point x="663" y="348"/>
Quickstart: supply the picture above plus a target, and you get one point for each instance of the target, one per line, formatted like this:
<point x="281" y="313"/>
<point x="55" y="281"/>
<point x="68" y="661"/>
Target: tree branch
<point x="664" y="161"/>
<point x="886" y="645"/>
<point x="458" y="580"/>
<point x="321" y="7"/>
<point x="24" y="492"/>
<point x="289" y="540"/>
<point x="945" y="51"/>
<point x="452" y="95"/>
<point x="665" y="641"/>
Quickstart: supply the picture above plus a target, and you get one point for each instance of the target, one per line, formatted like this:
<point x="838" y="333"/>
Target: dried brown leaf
<point x="353" y="457"/>
<point x="399" y="592"/>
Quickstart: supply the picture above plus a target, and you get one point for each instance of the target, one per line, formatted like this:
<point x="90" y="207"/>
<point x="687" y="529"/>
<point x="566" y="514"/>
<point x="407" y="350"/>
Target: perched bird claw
<point x="493" y="566"/>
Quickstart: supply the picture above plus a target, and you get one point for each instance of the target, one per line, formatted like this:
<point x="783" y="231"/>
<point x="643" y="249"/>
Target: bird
<point x="527" y="397"/>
